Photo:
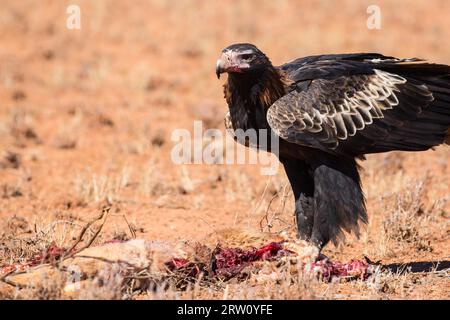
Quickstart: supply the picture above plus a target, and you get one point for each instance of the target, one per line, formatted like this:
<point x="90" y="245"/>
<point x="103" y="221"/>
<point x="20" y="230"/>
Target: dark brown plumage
<point x="330" y="110"/>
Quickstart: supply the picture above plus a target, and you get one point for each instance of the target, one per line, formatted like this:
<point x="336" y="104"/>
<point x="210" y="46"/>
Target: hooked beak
<point x="227" y="63"/>
<point x="219" y="68"/>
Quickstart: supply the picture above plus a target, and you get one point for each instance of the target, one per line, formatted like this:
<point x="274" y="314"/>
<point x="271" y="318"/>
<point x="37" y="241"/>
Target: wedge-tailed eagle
<point x="329" y="111"/>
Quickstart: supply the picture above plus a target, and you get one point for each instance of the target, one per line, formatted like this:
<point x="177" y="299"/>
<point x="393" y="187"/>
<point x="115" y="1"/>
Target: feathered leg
<point x="338" y="200"/>
<point x="300" y="176"/>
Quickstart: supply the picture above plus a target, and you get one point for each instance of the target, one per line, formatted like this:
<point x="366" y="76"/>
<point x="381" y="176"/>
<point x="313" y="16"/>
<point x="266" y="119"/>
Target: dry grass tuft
<point x="406" y="216"/>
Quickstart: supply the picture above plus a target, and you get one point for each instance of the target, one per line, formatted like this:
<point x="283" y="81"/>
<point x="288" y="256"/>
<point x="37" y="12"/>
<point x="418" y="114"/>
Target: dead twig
<point x="281" y="206"/>
<point x="266" y="215"/>
<point x="133" y="233"/>
<point x="104" y="216"/>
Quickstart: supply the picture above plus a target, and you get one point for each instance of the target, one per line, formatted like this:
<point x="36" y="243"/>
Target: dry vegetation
<point x="86" y="118"/>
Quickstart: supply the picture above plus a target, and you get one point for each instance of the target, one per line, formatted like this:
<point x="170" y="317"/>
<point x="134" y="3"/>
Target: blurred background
<point x="86" y="115"/>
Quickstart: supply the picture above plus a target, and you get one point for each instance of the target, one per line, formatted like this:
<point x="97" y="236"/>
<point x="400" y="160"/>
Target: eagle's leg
<point x="338" y="200"/>
<point x="300" y="177"/>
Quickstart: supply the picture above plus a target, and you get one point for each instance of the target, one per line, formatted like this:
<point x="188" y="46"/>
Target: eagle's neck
<point x="249" y="96"/>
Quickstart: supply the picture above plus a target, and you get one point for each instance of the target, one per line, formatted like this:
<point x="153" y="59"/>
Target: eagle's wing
<point x="371" y="112"/>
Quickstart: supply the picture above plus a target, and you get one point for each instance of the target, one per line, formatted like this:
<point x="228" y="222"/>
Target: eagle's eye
<point x="247" y="56"/>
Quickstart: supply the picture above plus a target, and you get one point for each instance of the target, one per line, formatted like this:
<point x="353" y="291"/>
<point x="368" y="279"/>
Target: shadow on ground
<point x="418" y="267"/>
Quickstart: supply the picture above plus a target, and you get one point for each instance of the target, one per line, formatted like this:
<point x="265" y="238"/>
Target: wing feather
<point x="331" y="111"/>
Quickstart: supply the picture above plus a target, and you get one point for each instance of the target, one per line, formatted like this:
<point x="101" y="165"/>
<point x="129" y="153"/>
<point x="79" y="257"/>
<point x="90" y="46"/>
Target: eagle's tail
<point x="434" y="119"/>
<point x="339" y="200"/>
<point x="438" y="112"/>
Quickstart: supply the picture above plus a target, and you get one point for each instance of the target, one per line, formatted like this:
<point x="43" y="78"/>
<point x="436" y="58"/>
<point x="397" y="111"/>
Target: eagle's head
<point x="241" y="58"/>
